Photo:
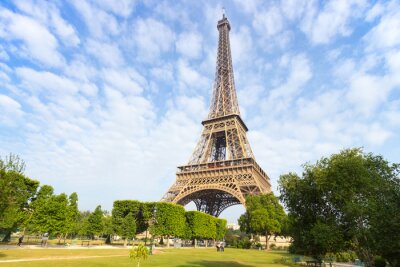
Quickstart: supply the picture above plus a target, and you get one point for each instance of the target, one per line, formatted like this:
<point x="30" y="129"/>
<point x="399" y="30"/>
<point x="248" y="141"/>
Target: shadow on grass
<point x="206" y="263"/>
<point x="2" y="254"/>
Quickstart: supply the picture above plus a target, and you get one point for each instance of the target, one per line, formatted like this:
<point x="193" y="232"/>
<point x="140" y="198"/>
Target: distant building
<point x="233" y="226"/>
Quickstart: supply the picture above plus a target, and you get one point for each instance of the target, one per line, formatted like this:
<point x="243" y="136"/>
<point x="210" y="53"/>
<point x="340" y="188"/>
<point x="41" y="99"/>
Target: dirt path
<point x="61" y="258"/>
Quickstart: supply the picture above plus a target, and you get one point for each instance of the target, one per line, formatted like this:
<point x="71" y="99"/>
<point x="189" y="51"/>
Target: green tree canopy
<point x="201" y="225"/>
<point x="95" y="222"/>
<point x="121" y="208"/>
<point x="129" y="226"/>
<point x="16" y="193"/>
<point x="350" y="200"/>
<point x="169" y="220"/>
<point x="220" y="228"/>
<point x="53" y="214"/>
<point x="264" y="215"/>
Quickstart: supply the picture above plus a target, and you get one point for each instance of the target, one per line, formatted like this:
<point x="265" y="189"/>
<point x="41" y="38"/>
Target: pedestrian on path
<point x="20" y="240"/>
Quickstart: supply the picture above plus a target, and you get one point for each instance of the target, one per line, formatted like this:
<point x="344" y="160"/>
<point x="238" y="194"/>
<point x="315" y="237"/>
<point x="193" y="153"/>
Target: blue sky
<point x="106" y="98"/>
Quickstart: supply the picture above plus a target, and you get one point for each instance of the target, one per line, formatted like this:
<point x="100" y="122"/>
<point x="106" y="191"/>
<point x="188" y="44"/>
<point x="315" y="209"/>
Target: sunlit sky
<point x="106" y="97"/>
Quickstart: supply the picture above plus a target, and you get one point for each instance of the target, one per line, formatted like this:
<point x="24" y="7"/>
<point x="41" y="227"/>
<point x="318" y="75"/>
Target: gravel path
<point x="61" y="258"/>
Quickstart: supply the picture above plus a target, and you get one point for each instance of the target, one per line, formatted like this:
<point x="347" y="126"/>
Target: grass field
<point x="119" y="257"/>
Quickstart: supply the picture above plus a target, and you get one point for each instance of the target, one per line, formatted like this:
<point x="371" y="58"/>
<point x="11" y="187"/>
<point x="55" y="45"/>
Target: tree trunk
<point x="167" y="241"/>
<point x="266" y="241"/>
<point x="7" y="237"/>
<point x="125" y="241"/>
<point x="108" y="239"/>
<point x="195" y="243"/>
<point x="206" y="242"/>
<point x="65" y="237"/>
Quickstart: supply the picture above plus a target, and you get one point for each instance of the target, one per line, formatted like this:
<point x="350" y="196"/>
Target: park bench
<point x="87" y="242"/>
<point x="311" y="263"/>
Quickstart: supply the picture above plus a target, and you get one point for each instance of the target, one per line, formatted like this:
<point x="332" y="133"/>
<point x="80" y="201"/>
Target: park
<point x="97" y="109"/>
<point x="118" y="257"/>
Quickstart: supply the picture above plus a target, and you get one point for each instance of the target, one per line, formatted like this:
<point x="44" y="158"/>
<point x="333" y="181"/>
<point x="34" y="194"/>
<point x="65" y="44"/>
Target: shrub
<point x="379" y="262"/>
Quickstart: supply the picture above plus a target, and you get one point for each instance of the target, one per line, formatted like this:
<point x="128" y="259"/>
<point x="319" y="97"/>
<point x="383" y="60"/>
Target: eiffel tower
<point x="222" y="170"/>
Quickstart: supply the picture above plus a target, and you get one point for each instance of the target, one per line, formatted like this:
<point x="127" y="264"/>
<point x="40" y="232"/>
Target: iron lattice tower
<point x="222" y="170"/>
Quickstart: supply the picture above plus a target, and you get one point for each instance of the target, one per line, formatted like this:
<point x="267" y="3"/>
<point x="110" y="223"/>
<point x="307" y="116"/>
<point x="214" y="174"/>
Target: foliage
<point x="72" y="214"/>
<point x="16" y="193"/>
<point x="264" y="215"/>
<point x="12" y="163"/>
<point x="169" y="220"/>
<point x="138" y="254"/>
<point x="121" y="209"/>
<point x="95" y="223"/>
<point x="108" y="229"/>
<point x="81" y="225"/>
<point x="379" y="262"/>
<point x="54" y="214"/>
<point x="201" y="225"/>
<point x="221" y="228"/>
<point x="349" y="201"/>
<point x="129" y="226"/>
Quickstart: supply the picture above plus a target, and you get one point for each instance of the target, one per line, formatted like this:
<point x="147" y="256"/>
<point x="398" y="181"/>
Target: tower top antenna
<point x="223" y="12"/>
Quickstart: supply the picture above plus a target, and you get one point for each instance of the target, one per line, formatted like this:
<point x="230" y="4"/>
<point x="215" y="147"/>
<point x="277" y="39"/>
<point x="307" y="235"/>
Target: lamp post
<point x="150" y="222"/>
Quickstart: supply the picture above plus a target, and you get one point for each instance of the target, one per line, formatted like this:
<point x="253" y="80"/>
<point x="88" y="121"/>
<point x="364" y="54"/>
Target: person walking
<point x="20" y="240"/>
<point x="45" y="237"/>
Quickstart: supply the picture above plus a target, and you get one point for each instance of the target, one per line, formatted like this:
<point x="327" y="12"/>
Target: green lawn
<point x="165" y="258"/>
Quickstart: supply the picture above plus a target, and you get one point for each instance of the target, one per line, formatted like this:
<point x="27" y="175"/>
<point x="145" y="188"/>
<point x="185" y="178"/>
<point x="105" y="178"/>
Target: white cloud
<point x="375" y="134"/>
<point x="38" y="42"/>
<point x="49" y="14"/>
<point x="299" y="74"/>
<point x="108" y="54"/>
<point x="59" y="89"/>
<point x="250" y="6"/>
<point x="334" y="20"/>
<point x="3" y="54"/>
<point x="270" y="22"/>
<point x="387" y="33"/>
<point x="45" y="82"/>
<point x="100" y="23"/>
<point x="242" y="46"/>
<point x="127" y="81"/>
<point x="152" y="38"/>
<point x="122" y="8"/>
<point x="10" y="110"/>
<point x="189" y="44"/>
<point x="375" y="12"/>
<point x="191" y="79"/>
<point x="163" y="73"/>
<point x="294" y="9"/>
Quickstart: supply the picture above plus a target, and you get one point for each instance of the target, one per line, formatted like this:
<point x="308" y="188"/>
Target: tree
<point x="349" y="201"/>
<point x="220" y="228"/>
<point x="139" y="253"/>
<point x="201" y="225"/>
<point x="121" y="208"/>
<point x="82" y="223"/>
<point x="108" y="227"/>
<point x="128" y="227"/>
<point x="264" y="215"/>
<point x="16" y="193"/>
<point x="72" y="215"/>
<point x="169" y="220"/>
<point x="50" y="213"/>
<point x="95" y="224"/>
